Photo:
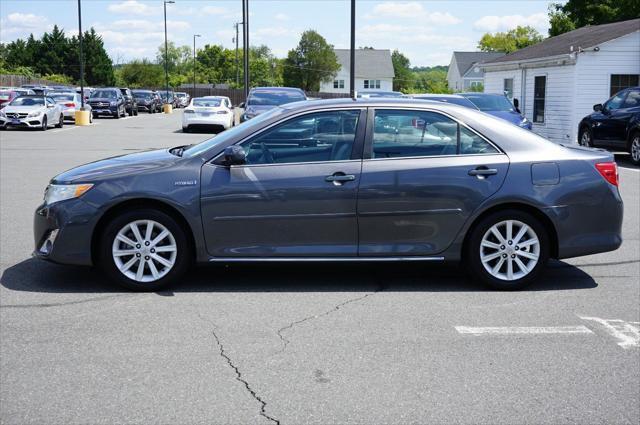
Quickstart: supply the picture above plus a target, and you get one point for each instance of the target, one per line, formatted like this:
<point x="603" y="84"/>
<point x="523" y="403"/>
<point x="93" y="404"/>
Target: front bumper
<point x="28" y="122"/>
<point x="62" y="232"/>
<point x="101" y="110"/>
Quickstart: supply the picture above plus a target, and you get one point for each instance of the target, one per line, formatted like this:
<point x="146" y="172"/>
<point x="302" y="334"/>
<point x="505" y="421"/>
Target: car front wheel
<point x="634" y="148"/>
<point x="585" y="138"/>
<point x="60" y="122"/>
<point x="44" y="125"/>
<point x="507" y="250"/>
<point x="144" y="250"/>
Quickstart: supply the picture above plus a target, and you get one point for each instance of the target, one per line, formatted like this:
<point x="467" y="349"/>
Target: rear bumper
<point x="62" y="232"/>
<point x="213" y="120"/>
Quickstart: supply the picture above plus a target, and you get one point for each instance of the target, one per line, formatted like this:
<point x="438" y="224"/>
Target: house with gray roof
<point x="374" y="71"/>
<point x="463" y="74"/>
<point x="558" y="80"/>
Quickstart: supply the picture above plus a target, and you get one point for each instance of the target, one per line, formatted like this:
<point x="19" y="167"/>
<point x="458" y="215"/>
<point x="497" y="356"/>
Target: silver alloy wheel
<point x="635" y="148"/>
<point x="509" y="250"/>
<point x="585" y="140"/>
<point x="144" y="250"/>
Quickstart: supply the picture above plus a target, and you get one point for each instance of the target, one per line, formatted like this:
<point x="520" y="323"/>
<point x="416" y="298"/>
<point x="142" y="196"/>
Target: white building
<point x="559" y="80"/>
<point x="463" y="74"/>
<point x="374" y="71"/>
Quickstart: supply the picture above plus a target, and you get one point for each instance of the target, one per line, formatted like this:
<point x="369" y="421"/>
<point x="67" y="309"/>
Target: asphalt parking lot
<point x="291" y="344"/>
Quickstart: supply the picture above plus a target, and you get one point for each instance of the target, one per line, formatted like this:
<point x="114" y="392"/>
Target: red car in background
<point x="7" y="96"/>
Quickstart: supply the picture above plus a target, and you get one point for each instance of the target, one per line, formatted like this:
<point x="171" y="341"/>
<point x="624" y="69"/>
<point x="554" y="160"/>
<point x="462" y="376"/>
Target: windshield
<point x="209" y="103"/>
<point x="181" y="94"/>
<point x="491" y="103"/>
<point x="226" y="135"/>
<point x="28" y="101"/>
<point x="62" y="97"/>
<point x="142" y="95"/>
<point x="274" y="98"/>
<point x="105" y="94"/>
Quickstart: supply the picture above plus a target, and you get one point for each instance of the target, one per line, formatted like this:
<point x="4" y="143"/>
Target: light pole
<point x="245" y="43"/>
<point x="352" y="67"/>
<point x="194" y="64"/>
<point x="166" y="50"/>
<point x="237" y="61"/>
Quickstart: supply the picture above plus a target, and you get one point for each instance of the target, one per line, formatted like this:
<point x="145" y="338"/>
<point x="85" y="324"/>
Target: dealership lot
<point x="286" y="343"/>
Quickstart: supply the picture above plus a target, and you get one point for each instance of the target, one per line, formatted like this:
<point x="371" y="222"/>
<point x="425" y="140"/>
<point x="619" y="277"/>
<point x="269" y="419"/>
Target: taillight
<point x="608" y="170"/>
<point x="70" y="105"/>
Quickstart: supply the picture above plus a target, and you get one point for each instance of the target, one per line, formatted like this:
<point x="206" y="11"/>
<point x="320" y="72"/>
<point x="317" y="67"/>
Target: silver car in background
<point x="182" y="99"/>
<point x="70" y="102"/>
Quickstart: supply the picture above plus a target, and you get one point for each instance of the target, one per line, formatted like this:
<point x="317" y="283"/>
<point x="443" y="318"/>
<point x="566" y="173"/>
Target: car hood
<point x="511" y="116"/>
<point x="258" y="109"/>
<point x="117" y="166"/>
<point x="23" y="109"/>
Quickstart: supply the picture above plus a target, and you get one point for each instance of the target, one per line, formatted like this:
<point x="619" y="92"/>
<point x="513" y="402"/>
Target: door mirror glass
<point x="597" y="107"/>
<point x="234" y="155"/>
<point x="241" y="105"/>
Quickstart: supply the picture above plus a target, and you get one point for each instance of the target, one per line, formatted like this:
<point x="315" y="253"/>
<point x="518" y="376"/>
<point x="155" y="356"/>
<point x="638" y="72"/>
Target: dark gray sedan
<point x="340" y="180"/>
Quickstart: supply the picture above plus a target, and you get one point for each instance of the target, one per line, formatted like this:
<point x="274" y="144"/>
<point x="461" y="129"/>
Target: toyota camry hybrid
<point x="339" y="180"/>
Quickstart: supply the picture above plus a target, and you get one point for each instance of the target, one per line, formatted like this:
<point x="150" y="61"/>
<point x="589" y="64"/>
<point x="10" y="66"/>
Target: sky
<point x="427" y="32"/>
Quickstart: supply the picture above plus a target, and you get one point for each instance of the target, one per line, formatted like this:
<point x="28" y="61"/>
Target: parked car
<point x="262" y="99"/>
<point x="499" y="106"/>
<point x="107" y="101"/>
<point x="168" y="97"/>
<point x="31" y="111"/>
<point x="182" y="99"/>
<point x="130" y="102"/>
<point x="208" y="112"/>
<point x="6" y="96"/>
<point x="614" y="124"/>
<point x="147" y="100"/>
<point x="158" y="99"/>
<point x="305" y="182"/>
<point x="71" y="102"/>
<point x="380" y="93"/>
<point x="455" y="99"/>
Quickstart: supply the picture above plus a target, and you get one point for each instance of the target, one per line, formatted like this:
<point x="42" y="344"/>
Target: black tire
<point x="116" y="114"/>
<point x="185" y="129"/>
<point x="634" y="147"/>
<point x="473" y="249"/>
<point x="94" y="116"/>
<point x="61" y="122"/>
<point x="44" y="125"/>
<point x="151" y="110"/>
<point x="585" y="138"/>
<point x="184" y="256"/>
<point x="135" y="112"/>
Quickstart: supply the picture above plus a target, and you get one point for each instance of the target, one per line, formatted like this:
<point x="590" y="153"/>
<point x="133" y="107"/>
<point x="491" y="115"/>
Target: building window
<point x="508" y="88"/>
<point x="338" y="84"/>
<point x="539" y="95"/>
<point x="622" y="81"/>
<point x="371" y="84"/>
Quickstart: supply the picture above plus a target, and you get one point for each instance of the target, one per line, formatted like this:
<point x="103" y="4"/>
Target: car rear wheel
<point x="185" y="129"/>
<point x="44" y="125"/>
<point x="135" y="111"/>
<point x="507" y="250"/>
<point x="634" y="148"/>
<point x="585" y="138"/>
<point x="60" y="122"/>
<point x="144" y="250"/>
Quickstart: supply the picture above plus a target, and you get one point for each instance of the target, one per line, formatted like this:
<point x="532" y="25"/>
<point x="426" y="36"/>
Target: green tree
<point x="579" y="13"/>
<point x="98" y="67"/>
<point x="510" y="41"/>
<point x="54" y="55"/>
<point x="313" y="61"/>
<point x="403" y="80"/>
<point x="141" y="73"/>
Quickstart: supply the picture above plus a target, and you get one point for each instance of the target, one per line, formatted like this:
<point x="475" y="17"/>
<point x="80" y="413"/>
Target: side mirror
<point x="597" y="107"/>
<point x="234" y="155"/>
<point x="241" y="105"/>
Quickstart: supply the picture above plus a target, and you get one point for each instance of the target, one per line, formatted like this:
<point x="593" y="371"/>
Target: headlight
<point x="34" y="114"/>
<point x="61" y="192"/>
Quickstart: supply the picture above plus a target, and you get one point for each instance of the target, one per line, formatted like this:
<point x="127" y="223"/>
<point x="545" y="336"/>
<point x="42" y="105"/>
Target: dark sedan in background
<point x="615" y="124"/>
<point x="339" y="180"/>
<point x="107" y="101"/>
<point x="499" y="106"/>
<point x="147" y="100"/>
<point x="262" y="99"/>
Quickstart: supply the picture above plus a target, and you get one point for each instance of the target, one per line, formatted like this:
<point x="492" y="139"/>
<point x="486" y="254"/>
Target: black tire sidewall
<point x="105" y="258"/>
<point x="472" y="252"/>
<point x="588" y="131"/>
<point x="44" y="124"/>
<point x="633" y="136"/>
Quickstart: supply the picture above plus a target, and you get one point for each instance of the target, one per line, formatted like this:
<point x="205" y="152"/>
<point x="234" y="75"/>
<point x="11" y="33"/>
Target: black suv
<point x="131" y="105"/>
<point x="107" y="101"/>
<point x="614" y="124"/>
<point x="147" y="101"/>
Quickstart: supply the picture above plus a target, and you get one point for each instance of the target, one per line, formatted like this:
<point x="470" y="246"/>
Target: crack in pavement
<point x="61" y="304"/>
<point x="239" y="377"/>
<point x="285" y="341"/>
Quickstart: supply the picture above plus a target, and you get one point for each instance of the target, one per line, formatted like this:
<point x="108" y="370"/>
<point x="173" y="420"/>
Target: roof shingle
<point x="370" y="63"/>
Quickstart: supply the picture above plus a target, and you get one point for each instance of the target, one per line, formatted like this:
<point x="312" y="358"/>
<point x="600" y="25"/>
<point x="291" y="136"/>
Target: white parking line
<point x="529" y="330"/>
<point x="627" y="333"/>
<point x="58" y="130"/>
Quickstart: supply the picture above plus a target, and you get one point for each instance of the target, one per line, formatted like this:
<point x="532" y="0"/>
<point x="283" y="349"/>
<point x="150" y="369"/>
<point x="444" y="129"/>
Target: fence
<point x="11" y="80"/>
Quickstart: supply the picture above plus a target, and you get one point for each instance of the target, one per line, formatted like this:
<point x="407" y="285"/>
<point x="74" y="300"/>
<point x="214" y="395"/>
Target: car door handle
<point x="339" y="178"/>
<point x="483" y="172"/>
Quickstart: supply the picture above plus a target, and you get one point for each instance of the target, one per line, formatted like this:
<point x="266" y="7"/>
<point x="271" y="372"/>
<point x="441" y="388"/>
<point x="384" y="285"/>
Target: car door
<point x="52" y="110"/>
<point x="295" y="196"/>
<point x="609" y="125"/>
<point x="423" y="175"/>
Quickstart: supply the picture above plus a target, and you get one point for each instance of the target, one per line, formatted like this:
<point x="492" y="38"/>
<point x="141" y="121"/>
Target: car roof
<point x="480" y="94"/>
<point x="439" y="95"/>
<point x="277" y="89"/>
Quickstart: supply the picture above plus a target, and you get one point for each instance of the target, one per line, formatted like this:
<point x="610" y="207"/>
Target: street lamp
<point x="194" y="64"/>
<point x="166" y="50"/>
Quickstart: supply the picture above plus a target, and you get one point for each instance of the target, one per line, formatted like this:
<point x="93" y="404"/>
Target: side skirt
<point x="320" y="259"/>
